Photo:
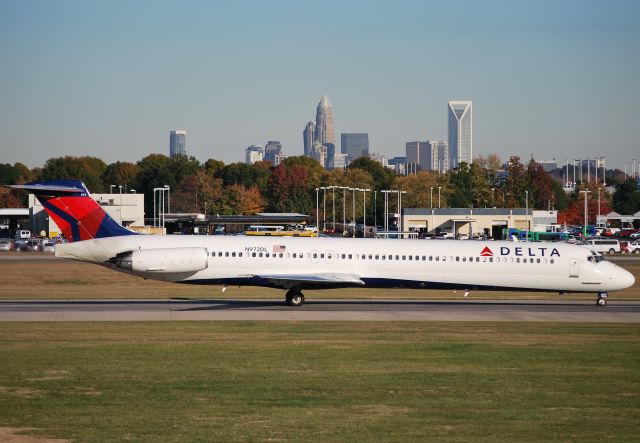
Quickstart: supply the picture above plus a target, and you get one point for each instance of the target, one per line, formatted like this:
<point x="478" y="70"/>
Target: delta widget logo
<point x="486" y="252"/>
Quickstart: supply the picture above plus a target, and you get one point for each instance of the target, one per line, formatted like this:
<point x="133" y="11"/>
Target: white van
<point x="22" y="233"/>
<point x="603" y="245"/>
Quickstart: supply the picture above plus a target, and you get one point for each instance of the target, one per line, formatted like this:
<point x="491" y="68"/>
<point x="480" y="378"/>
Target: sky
<point x="548" y="78"/>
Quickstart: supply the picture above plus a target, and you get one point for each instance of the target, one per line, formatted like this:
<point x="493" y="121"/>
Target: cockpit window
<point x="595" y="257"/>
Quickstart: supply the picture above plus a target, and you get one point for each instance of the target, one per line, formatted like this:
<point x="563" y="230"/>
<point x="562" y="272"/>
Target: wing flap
<point x="290" y="280"/>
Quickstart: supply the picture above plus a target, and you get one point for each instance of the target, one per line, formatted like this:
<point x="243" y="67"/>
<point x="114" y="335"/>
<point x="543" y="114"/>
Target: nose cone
<point x="625" y="279"/>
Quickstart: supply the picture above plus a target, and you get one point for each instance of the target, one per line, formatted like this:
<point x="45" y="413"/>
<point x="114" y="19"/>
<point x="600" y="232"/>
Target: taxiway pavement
<point x="320" y="310"/>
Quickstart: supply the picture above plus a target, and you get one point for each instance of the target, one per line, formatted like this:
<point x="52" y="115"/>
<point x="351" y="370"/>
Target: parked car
<point x="624" y="247"/>
<point x="22" y="233"/>
<point x="604" y="245"/>
<point x="635" y="235"/>
<point x="48" y="246"/>
<point x="627" y="233"/>
<point x="6" y="245"/>
<point x="634" y="247"/>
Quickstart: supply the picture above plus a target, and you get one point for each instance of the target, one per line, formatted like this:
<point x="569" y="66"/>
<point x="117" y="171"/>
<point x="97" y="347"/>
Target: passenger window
<point x="370" y="257"/>
<point x="294" y="255"/>
<point x="477" y="259"/>
<point x="398" y="257"/>
<point x="377" y="257"/>
<point x="343" y="256"/>
<point x="491" y="259"/>
<point x="239" y="254"/>
<point x="220" y="254"/>
<point x="424" y="258"/>
<point x="524" y="260"/>
<point x="266" y="254"/>
<point x="518" y="260"/>
<point x="350" y="256"/>
<point x="431" y="258"/>
<point x="315" y="255"/>
<point x="226" y="254"/>
<point x="384" y="256"/>
<point x="260" y="254"/>
<point x="457" y="258"/>
<point x="321" y="255"/>
<point x="404" y="257"/>
<point x="551" y="261"/>
<point x="437" y="258"/>
<point x="356" y="256"/>
<point x="233" y="254"/>
<point x="281" y="255"/>
<point x="538" y="260"/>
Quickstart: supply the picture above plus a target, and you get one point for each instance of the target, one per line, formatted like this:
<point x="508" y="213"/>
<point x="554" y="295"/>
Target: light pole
<point x="364" y="212"/>
<point x="375" y="210"/>
<point x="354" y="211"/>
<point x="586" y="213"/>
<point x="598" y="219"/>
<point x="111" y="188"/>
<point x="493" y="197"/>
<point x="324" y="208"/>
<point x="120" y="189"/>
<point x="344" y="209"/>
<point x="526" y="198"/>
<point x="439" y="196"/>
<point x="317" y="212"/>
<point x="168" y="188"/>
<point x="333" y="210"/>
<point x="431" y="195"/>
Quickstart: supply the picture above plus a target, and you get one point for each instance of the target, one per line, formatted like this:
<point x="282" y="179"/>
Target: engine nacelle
<point x="164" y="261"/>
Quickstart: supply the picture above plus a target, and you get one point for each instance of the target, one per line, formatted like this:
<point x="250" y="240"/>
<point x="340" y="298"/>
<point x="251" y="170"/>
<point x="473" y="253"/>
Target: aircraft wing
<point x="291" y="280"/>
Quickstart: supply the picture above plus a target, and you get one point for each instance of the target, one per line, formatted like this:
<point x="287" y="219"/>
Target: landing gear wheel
<point x="602" y="299"/>
<point x="294" y="297"/>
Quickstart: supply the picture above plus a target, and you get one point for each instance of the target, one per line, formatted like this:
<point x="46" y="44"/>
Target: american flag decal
<point x="279" y="248"/>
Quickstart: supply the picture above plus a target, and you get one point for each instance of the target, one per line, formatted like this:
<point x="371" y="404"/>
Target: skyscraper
<point x="431" y="155"/>
<point x="460" y="132"/>
<point x="308" y="136"/>
<point x="253" y="154"/>
<point x="354" y="145"/>
<point x="271" y="149"/>
<point x="177" y="143"/>
<point x="325" y="134"/>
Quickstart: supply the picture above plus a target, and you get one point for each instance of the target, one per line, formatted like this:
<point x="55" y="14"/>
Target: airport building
<point x="454" y="222"/>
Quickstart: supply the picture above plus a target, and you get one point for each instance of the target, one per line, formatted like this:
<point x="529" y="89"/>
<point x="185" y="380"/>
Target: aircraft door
<point x="574" y="270"/>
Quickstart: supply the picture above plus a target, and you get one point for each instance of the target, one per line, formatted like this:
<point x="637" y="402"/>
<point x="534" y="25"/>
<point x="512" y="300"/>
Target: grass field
<point x="247" y="381"/>
<point x="66" y="279"/>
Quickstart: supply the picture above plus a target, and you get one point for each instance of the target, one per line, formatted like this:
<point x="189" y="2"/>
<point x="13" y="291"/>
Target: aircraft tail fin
<point x="70" y="205"/>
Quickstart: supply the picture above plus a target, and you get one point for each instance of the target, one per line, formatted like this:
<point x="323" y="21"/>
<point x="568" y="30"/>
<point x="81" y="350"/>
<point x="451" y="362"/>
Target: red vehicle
<point x="626" y="233"/>
<point x="607" y="232"/>
<point x="624" y="247"/>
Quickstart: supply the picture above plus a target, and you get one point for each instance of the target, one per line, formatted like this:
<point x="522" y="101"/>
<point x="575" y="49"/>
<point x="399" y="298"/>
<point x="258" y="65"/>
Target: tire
<point x="636" y="251"/>
<point x="612" y="251"/>
<point x="296" y="300"/>
<point x="602" y="302"/>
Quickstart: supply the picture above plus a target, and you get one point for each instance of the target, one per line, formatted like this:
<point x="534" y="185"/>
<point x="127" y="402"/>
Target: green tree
<point x="382" y="177"/>
<point x="246" y="175"/>
<point x="87" y="169"/>
<point x="8" y="174"/>
<point x="120" y="173"/>
<point x="626" y="199"/>
<point x="516" y="183"/>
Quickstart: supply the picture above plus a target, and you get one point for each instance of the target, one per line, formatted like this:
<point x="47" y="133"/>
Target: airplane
<point x="296" y="264"/>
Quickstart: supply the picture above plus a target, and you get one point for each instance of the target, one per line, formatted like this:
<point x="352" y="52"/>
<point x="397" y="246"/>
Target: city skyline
<point x="101" y="70"/>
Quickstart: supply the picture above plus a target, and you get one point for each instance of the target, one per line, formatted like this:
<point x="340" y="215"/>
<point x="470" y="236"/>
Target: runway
<point x="319" y="310"/>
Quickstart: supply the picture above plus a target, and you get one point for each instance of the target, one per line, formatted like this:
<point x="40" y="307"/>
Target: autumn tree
<point x="288" y="190"/>
<point x="87" y="169"/>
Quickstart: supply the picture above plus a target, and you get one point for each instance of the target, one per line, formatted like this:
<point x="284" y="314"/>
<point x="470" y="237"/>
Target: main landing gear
<point x="295" y="297"/>
<point x="602" y="299"/>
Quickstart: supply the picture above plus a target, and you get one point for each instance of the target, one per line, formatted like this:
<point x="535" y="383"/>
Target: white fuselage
<point x="245" y="260"/>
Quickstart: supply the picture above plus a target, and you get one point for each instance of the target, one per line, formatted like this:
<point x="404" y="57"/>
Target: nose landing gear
<point x="602" y="299"/>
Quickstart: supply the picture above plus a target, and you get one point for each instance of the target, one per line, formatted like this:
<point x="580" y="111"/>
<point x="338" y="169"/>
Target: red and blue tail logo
<point x="78" y="215"/>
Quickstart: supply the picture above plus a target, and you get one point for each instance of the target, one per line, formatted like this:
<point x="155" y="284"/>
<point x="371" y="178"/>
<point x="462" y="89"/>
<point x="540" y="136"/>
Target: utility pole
<point x="586" y="213"/>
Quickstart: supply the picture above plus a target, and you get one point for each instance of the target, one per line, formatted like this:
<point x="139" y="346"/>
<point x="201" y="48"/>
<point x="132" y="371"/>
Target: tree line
<point x="237" y="188"/>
